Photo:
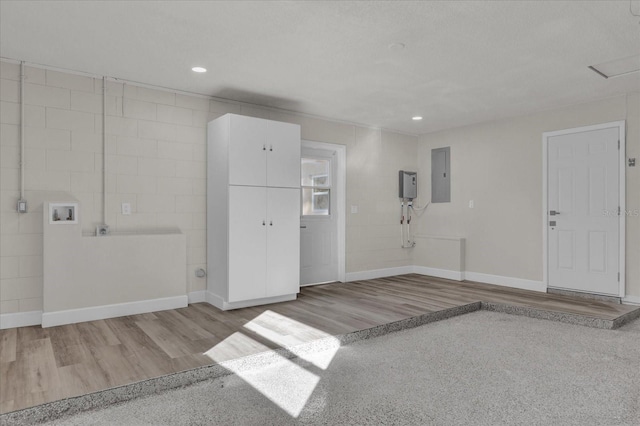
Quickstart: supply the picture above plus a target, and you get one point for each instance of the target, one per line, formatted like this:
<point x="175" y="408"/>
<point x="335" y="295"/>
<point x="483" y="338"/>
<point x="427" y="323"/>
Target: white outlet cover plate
<point x="126" y="208"/>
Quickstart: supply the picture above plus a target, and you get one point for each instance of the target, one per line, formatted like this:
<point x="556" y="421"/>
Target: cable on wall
<point x="22" y="203"/>
<point x="104" y="151"/>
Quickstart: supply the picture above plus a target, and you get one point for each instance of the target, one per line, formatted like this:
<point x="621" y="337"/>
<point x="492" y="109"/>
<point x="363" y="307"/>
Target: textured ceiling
<point x="464" y="62"/>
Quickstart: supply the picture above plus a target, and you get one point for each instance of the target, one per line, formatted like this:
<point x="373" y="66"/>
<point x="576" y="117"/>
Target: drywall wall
<point x="498" y="165"/>
<point x="156" y="146"/>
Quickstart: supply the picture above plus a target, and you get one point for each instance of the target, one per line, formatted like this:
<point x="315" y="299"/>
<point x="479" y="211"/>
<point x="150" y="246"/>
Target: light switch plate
<point x="126" y="208"/>
<point x="354" y="209"/>
<point x="471" y="204"/>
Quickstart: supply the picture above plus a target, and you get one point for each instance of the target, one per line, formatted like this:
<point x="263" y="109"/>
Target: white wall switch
<point x="354" y="209"/>
<point x="471" y="204"/>
<point x="126" y="208"/>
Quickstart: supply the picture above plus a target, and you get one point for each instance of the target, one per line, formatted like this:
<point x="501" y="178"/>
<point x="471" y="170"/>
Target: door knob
<point x="303" y="226"/>
<point x="553" y="213"/>
<point x="270" y="223"/>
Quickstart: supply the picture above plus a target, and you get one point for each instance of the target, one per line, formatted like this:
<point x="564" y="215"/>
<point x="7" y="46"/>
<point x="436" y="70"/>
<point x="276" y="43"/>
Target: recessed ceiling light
<point x="618" y="67"/>
<point x="198" y="69"/>
<point x="396" y="46"/>
<point x="416" y="118"/>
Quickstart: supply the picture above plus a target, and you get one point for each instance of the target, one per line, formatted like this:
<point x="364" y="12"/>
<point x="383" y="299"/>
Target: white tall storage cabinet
<point x="253" y="211"/>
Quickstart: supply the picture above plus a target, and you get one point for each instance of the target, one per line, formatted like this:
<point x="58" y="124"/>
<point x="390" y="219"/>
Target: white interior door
<point x="319" y="221"/>
<point x="247" y="151"/>
<point x="283" y="241"/>
<point x="583" y="202"/>
<point x="247" y="242"/>
<point x="283" y="154"/>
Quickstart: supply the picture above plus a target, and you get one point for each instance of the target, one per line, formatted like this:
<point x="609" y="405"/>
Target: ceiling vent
<point x="618" y="67"/>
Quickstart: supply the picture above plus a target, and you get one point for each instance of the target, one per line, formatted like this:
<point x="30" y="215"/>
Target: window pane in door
<point x="315" y="172"/>
<point x="315" y="201"/>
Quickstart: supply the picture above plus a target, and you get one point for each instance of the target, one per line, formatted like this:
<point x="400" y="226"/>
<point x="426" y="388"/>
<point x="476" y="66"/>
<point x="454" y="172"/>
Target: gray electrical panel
<point x="408" y="188"/>
<point x="441" y="175"/>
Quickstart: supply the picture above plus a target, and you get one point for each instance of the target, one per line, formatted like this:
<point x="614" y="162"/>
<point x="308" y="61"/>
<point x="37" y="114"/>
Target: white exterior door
<point x="583" y="202"/>
<point x="283" y="241"/>
<point x="247" y="151"/>
<point x="247" y="242"/>
<point x="318" y="224"/>
<point x="283" y="155"/>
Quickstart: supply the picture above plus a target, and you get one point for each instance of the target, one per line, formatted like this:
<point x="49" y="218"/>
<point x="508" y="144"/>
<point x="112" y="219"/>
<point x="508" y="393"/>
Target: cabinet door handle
<point x="264" y="147"/>
<point x="270" y="147"/>
<point x="270" y="223"/>
<point x="264" y="223"/>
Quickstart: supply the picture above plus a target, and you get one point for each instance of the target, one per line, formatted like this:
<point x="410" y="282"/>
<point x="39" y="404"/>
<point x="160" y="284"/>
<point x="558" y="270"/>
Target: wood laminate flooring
<point x="39" y="365"/>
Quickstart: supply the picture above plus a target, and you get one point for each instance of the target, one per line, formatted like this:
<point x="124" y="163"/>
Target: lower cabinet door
<point x="283" y="241"/>
<point x="247" y="243"/>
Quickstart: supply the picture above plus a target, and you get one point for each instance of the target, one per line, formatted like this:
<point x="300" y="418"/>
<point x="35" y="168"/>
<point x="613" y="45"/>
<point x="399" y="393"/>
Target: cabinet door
<point x="283" y="155"/>
<point x="247" y="151"/>
<point x="247" y="242"/>
<point x="283" y="241"/>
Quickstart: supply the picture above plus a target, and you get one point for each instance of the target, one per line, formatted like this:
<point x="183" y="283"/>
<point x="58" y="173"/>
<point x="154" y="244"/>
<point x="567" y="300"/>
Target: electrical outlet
<point x="126" y="208"/>
<point x="471" y="204"/>
<point x="354" y="209"/>
<point x="102" y="230"/>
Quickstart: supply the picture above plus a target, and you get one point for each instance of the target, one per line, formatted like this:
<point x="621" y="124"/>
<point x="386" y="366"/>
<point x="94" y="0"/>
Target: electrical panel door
<point x="441" y="175"/>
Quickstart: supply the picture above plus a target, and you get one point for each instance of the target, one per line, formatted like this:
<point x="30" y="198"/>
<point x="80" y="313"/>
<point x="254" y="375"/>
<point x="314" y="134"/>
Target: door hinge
<point x="618" y="276"/>
<point x="618" y="210"/>
<point x="618" y="143"/>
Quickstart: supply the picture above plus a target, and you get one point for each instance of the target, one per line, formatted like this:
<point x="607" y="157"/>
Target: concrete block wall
<point x="156" y="161"/>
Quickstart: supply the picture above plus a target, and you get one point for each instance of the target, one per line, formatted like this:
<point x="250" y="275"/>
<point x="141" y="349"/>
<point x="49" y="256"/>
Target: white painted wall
<point x="499" y="166"/>
<point x="156" y="146"/>
<point x="88" y="277"/>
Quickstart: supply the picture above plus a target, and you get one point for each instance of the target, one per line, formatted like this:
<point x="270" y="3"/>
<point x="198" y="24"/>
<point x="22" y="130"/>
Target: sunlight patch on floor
<point x="237" y="343"/>
<point x="287" y="332"/>
<point x="286" y="384"/>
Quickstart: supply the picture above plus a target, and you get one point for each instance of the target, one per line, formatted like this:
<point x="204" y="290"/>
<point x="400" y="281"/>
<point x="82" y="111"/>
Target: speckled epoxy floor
<point x="483" y="368"/>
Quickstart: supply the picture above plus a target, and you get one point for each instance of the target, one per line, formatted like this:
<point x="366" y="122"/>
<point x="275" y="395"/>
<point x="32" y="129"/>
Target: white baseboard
<point x="213" y="299"/>
<point x="20" y="319"/>
<point x="378" y="273"/>
<point x="50" y="319"/>
<point x="440" y="273"/>
<point x="218" y="302"/>
<point x="631" y="300"/>
<point x="197" y="296"/>
<point x="506" y="281"/>
<point x="449" y="274"/>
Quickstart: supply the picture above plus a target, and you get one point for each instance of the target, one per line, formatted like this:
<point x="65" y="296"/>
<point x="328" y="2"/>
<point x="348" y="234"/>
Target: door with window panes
<point x="318" y="223"/>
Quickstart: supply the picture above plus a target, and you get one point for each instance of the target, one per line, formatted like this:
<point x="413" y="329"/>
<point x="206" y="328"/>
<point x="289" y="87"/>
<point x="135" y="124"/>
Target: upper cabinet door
<point x="247" y="151"/>
<point x="283" y="154"/>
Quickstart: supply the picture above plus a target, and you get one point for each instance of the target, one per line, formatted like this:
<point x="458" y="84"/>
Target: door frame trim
<point x="620" y="125"/>
<point x="341" y="197"/>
